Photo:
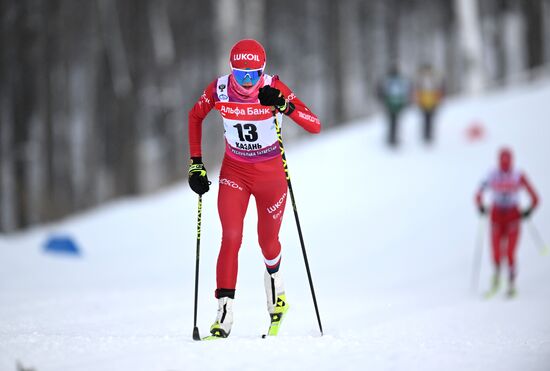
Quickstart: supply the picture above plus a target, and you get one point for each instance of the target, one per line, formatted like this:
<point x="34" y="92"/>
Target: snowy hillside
<point x="390" y="237"/>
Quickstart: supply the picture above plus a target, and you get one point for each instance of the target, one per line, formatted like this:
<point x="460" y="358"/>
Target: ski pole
<point x="285" y="166"/>
<point x="543" y="248"/>
<point x="477" y="255"/>
<point x="196" y="335"/>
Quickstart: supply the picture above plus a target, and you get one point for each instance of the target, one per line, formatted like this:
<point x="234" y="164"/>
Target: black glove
<point x="482" y="210"/>
<point x="270" y="96"/>
<point x="526" y="213"/>
<point x="197" y="176"/>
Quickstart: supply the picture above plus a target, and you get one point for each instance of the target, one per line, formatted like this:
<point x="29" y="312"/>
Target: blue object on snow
<point x="62" y="245"/>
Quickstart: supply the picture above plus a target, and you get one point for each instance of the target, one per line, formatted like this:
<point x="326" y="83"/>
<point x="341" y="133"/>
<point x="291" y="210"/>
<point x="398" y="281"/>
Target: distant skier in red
<point x="248" y="100"/>
<point x="505" y="183"/>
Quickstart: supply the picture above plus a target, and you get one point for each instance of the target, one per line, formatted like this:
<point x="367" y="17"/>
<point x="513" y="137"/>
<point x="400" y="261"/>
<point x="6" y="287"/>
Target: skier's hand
<point x="270" y="96"/>
<point x="482" y="210"/>
<point x="526" y="213"/>
<point x="198" y="180"/>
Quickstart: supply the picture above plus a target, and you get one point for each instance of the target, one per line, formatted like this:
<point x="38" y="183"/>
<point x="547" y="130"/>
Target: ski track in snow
<point x="390" y="237"/>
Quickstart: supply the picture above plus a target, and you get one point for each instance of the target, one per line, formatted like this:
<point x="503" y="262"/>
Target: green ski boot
<point x="277" y="305"/>
<point x="511" y="293"/>
<point x="277" y="316"/>
<point x="221" y="328"/>
<point x="494" y="287"/>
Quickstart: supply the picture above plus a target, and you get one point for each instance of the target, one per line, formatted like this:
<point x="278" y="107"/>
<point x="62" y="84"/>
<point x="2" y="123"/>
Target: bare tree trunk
<point x="21" y="86"/>
<point x="379" y="49"/>
<point x="471" y="44"/>
<point x="452" y="77"/>
<point x="116" y="52"/>
<point x="391" y="17"/>
<point x="226" y="23"/>
<point x="161" y="33"/>
<point x="334" y="63"/>
<point x="498" y="41"/>
<point x="253" y="27"/>
<point x="7" y="186"/>
<point x="350" y="53"/>
<point x="534" y="37"/>
<point x="515" y="48"/>
<point x="546" y="37"/>
<point x="45" y="108"/>
<point x="121" y="155"/>
<point x="314" y="44"/>
<point x="369" y="53"/>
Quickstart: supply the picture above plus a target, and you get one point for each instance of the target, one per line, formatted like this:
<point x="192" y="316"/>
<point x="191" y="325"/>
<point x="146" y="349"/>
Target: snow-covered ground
<point x="390" y="237"/>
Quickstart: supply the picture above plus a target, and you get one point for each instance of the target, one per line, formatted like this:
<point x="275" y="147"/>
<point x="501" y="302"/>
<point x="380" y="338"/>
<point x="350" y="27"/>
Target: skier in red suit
<point x="505" y="183"/>
<point x="248" y="100"/>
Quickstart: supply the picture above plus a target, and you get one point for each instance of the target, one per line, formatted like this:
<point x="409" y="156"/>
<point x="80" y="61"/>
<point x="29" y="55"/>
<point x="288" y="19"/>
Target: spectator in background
<point x="394" y="92"/>
<point x="428" y="92"/>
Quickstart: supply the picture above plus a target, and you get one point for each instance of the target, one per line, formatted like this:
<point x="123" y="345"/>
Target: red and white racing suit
<point x="505" y="214"/>
<point x="252" y="165"/>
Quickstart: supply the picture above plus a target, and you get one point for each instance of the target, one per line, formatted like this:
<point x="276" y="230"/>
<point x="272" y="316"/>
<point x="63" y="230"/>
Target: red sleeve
<point x="479" y="197"/>
<point x="197" y="115"/>
<point x="301" y="114"/>
<point x="479" y="193"/>
<point x="530" y="190"/>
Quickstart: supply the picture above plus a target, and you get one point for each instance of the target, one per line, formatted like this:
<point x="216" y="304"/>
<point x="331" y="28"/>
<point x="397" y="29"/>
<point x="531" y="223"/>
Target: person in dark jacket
<point x="394" y="91"/>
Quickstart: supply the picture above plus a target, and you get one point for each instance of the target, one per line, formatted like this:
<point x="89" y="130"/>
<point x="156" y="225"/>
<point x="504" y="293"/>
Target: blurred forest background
<point x="94" y="94"/>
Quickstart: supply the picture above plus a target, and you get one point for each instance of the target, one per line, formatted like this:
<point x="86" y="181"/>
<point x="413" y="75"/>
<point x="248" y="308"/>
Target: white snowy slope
<point x="390" y="237"/>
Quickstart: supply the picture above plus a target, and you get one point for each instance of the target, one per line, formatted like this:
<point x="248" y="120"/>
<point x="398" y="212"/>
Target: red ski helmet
<point x="505" y="159"/>
<point x="247" y="54"/>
